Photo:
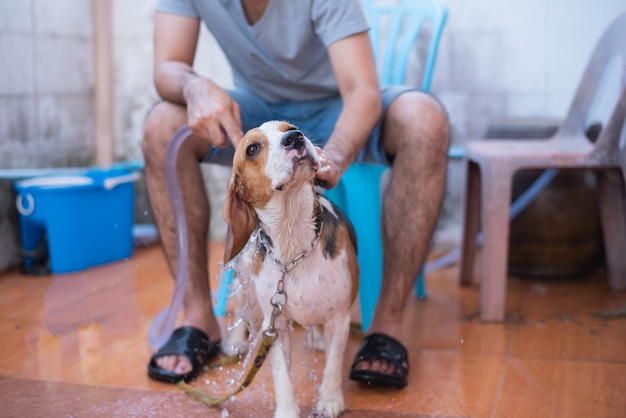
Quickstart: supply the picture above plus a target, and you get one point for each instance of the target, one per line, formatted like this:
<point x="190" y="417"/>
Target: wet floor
<point x="76" y="345"/>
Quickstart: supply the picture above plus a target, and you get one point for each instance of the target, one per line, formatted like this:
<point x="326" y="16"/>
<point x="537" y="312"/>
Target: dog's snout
<point x="293" y="140"/>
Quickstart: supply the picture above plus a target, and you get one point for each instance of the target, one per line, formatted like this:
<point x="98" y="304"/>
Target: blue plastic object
<point x="85" y="219"/>
<point x="395" y="29"/>
<point x="226" y="281"/>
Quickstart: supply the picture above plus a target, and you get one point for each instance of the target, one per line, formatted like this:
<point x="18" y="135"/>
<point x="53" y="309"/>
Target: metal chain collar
<point x="286" y="268"/>
<point x="279" y="298"/>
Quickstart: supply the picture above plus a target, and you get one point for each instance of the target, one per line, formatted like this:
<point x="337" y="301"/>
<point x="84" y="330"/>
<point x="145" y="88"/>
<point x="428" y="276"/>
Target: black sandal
<point x="384" y="348"/>
<point x="191" y="342"/>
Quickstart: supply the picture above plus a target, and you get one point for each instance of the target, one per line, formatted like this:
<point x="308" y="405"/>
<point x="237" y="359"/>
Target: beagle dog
<point x="291" y="248"/>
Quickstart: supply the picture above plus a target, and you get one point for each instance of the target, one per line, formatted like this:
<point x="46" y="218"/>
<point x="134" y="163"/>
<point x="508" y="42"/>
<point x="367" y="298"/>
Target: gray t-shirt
<point x="282" y="56"/>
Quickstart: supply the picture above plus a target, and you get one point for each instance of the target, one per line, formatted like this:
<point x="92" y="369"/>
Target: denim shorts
<point x="316" y="119"/>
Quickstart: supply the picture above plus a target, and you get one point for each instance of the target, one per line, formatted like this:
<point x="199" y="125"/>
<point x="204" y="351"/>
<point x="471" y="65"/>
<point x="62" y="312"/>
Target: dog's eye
<point x="252" y="150"/>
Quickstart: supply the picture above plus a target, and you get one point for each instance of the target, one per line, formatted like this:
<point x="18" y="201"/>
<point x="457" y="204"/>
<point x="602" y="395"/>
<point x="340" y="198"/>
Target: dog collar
<point x="264" y="241"/>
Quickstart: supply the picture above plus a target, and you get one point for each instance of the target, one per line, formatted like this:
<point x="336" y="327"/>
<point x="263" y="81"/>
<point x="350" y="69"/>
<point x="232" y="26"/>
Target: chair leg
<point x="362" y="197"/>
<point x="420" y="284"/>
<point x="471" y="223"/>
<point x="613" y="211"/>
<point x="496" y="186"/>
<point x="226" y="281"/>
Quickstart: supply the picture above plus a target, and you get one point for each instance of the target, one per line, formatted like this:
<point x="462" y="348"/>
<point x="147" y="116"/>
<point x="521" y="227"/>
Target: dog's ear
<point x="240" y="218"/>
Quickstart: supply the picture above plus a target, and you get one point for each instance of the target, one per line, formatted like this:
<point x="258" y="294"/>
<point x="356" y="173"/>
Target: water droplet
<point x="232" y="326"/>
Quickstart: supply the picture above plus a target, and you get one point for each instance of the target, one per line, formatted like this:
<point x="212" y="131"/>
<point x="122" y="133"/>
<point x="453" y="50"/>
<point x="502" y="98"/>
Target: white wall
<point x="511" y="59"/>
<point x="516" y="58"/>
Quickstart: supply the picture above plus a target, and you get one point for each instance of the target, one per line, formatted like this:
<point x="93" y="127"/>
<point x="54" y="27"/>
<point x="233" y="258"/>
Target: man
<point x="309" y="62"/>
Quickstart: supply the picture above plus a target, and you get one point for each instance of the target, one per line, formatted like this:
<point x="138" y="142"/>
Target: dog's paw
<point x="287" y="412"/>
<point x="330" y="407"/>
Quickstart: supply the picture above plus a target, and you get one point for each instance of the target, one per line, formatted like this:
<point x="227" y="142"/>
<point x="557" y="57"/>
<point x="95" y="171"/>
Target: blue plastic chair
<point x="395" y="28"/>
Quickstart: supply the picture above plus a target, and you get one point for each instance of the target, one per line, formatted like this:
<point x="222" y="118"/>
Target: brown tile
<point x="541" y="388"/>
<point x="31" y="398"/>
<point x="572" y="319"/>
<point x="80" y="340"/>
<point x="441" y="384"/>
<point x="447" y="320"/>
<point x="24" y="397"/>
<point x="572" y="338"/>
<point x="467" y="298"/>
<point x="22" y="297"/>
<point x="563" y="299"/>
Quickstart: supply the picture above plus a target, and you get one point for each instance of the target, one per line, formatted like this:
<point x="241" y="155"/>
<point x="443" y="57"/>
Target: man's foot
<point x="184" y="354"/>
<point x="381" y="361"/>
<point x="200" y="317"/>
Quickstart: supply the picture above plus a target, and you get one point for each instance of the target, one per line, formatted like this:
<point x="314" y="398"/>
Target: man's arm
<point x="353" y="63"/>
<point x="211" y="111"/>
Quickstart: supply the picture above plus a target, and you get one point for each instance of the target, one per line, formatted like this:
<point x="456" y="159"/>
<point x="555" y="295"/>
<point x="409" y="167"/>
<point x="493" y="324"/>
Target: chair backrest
<point x="611" y="143"/>
<point x="612" y="45"/>
<point x="619" y="136"/>
<point x="395" y="27"/>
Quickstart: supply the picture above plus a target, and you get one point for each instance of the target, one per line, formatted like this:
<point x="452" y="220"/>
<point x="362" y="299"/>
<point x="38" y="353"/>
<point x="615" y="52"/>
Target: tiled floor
<point x="75" y="345"/>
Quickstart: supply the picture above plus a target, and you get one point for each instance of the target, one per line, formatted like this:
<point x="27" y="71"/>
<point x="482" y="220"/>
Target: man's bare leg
<point x="416" y="133"/>
<point x="162" y="122"/>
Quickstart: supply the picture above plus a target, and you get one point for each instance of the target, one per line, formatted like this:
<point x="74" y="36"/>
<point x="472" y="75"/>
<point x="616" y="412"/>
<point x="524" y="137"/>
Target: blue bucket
<point x="76" y="221"/>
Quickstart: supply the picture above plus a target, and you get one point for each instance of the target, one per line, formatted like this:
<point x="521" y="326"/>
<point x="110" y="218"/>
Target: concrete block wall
<point x="46" y="92"/>
<point x="46" y="83"/>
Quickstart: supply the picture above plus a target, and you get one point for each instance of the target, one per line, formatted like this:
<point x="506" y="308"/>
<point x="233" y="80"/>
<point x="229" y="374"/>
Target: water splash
<point x="231" y="327"/>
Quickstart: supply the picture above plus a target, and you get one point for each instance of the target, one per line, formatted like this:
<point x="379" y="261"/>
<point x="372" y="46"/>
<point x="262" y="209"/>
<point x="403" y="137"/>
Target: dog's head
<point x="268" y="161"/>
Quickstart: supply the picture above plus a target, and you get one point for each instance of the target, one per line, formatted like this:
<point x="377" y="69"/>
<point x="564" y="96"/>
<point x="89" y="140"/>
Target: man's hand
<point x="330" y="170"/>
<point x="212" y="113"/>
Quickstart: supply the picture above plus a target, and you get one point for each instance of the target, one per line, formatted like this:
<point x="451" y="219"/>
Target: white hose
<point x="163" y="324"/>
